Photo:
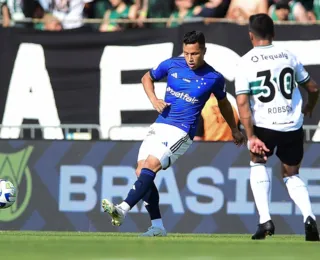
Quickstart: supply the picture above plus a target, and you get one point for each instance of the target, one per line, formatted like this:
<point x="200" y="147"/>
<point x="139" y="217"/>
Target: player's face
<point x="194" y="55"/>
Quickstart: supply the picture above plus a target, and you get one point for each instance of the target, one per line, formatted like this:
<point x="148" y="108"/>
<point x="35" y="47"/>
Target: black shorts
<point x="289" y="144"/>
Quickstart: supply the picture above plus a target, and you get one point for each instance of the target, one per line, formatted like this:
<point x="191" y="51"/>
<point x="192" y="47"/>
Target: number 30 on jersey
<point x="265" y="86"/>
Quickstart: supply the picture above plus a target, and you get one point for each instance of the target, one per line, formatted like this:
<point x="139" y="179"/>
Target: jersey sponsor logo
<point x="255" y="58"/>
<point x="281" y="55"/>
<point x="182" y="95"/>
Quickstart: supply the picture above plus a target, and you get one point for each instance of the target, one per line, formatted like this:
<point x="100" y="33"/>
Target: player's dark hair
<point x="261" y="25"/>
<point x="283" y="4"/>
<point x="195" y="37"/>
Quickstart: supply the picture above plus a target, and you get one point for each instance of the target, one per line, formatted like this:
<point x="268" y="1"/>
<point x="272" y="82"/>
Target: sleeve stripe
<point x="242" y="92"/>
<point x="151" y="75"/>
<point x="305" y="80"/>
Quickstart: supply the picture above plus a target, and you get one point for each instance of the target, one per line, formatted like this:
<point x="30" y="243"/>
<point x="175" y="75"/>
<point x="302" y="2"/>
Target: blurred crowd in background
<point x="57" y="15"/>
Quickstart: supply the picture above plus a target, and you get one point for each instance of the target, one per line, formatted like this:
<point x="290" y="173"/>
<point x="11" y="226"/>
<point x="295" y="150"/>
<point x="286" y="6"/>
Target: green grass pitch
<point x="128" y="246"/>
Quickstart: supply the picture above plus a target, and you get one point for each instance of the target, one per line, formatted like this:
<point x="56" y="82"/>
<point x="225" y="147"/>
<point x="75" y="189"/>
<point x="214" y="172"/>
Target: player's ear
<point x="205" y="50"/>
<point x="251" y="36"/>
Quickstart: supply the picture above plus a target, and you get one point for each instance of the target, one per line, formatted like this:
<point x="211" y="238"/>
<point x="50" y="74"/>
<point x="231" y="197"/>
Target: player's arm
<point x="148" y="85"/>
<point x="226" y="110"/>
<point x="243" y="102"/>
<point x="303" y="78"/>
<point x="148" y="80"/>
<point x="245" y="115"/>
<point x="227" y="113"/>
<point x="225" y="107"/>
<point x="255" y="145"/>
<point x="313" y="95"/>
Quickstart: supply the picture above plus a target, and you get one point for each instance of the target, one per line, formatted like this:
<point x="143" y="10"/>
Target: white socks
<point x="124" y="206"/>
<point x="157" y="223"/>
<point x="299" y="194"/>
<point x="260" y="186"/>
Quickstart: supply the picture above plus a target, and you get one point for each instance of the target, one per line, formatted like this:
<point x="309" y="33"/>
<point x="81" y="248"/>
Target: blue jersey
<point x="187" y="91"/>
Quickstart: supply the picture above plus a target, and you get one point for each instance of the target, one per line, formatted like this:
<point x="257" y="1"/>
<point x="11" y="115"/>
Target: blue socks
<point x="140" y="187"/>
<point x="152" y="202"/>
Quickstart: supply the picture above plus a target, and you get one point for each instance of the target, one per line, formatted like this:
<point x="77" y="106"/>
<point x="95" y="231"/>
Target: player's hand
<point x="160" y="105"/>
<point x="238" y="138"/>
<point x="257" y="147"/>
<point x="307" y="110"/>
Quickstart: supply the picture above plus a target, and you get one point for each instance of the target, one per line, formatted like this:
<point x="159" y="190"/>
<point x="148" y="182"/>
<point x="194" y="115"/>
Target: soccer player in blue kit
<point x="190" y="82"/>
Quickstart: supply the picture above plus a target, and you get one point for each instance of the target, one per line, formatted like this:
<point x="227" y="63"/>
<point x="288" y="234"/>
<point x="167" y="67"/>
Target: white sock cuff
<point x="285" y="179"/>
<point x="124" y="206"/>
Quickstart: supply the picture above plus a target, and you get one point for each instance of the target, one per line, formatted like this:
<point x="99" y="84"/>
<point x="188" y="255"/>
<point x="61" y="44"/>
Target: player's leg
<point x="151" y="202"/>
<point x="165" y="140"/>
<point x="177" y="146"/>
<point x="291" y="153"/>
<point x="260" y="185"/>
<point x="118" y="212"/>
<point x="139" y="189"/>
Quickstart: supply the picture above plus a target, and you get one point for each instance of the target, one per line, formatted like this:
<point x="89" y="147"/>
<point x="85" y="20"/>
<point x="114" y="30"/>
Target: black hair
<point x="194" y="37"/>
<point x="282" y="4"/>
<point x="261" y="25"/>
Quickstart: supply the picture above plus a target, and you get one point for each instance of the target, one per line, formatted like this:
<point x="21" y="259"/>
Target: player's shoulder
<point x="171" y="63"/>
<point x="255" y="54"/>
<point x="290" y="54"/>
<point x="178" y="62"/>
<point x="251" y="56"/>
<point x="211" y="73"/>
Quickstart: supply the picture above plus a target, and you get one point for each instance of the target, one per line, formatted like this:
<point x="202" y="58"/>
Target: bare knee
<point x="139" y="167"/>
<point x="288" y="170"/>
<point x="256" y="158"/>
<point x="152" y="163"/>
<point x="138" y="171"/>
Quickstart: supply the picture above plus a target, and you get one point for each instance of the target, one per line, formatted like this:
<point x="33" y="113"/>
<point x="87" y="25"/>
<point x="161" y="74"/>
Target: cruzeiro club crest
<point x="14" y="168"/>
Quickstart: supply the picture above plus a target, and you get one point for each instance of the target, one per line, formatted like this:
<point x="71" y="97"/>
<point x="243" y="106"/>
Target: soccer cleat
<point x="115" y="212"/>
<point x="265" y="229"/>
<point x="311" y="229"/>
<point x="155" y="232"/>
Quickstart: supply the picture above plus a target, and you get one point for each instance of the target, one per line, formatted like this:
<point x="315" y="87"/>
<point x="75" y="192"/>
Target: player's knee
<point x="288" y="174"/>
<point x="152" y="163"/>
<point x="288" y="171"/>
<point x="139" y="167"/>
<point x="138" y="170"/>
<point x="257" y="159"/>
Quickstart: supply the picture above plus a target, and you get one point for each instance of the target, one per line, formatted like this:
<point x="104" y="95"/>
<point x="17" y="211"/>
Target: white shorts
<point x="165" y="142"/>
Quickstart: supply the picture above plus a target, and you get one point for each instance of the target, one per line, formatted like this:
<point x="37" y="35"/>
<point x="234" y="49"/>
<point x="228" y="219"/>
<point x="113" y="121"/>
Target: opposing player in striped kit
<point x="270" y="108"/>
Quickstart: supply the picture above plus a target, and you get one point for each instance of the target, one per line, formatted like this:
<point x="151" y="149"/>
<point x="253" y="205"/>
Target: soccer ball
<point x="7" y="194"/>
